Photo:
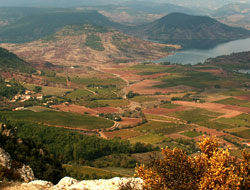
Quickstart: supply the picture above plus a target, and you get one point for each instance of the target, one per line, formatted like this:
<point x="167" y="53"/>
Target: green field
<point x="235" y="92"/>
<point x="244" y="133"/>
<point x="241" y="120"/>
<point x="55" y="118"/>
<point x="148" y="69"/>
<point x="38" y="109"/>
<point x="79" y="93"/>
<point x="46" y="90"/>
<point x="98" y="81"/>
<point x="104" y="93"/>
<point x="159" y="117"/>
<point x="202" y="117"/>
<point x="161" y="127"/>
<point x="148" y="139"/>
<point x="191" y="134"/>
<point x="234" y="101"/>
<point x="87" y="172"/>
<point x="169" y="105"/>
<point x="142" y="99"/>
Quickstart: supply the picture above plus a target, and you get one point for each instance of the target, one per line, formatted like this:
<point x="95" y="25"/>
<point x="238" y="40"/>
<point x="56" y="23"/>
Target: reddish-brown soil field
<point x="130" y="121"/>
<point x="237" y="108"/>
<point x="215" y="72"/>
<point x="106" y="110"/>
<point x="178" y="136"/>
<point x="246" y="97"/>
<point x="211" y="132"/>
<point x="146" y="87"/>
<point x="75" y="109"/>
<point x="163" y="111"/>
<point x="154" y="76"/>
<point x="124" y="74"/>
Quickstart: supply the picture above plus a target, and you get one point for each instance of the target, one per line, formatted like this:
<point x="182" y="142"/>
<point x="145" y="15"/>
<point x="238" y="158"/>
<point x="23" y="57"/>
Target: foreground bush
<point x="213" y="169"/>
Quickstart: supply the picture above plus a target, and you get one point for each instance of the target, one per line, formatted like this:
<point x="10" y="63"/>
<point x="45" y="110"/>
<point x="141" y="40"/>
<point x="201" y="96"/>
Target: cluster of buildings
<point x="27" y="96"/>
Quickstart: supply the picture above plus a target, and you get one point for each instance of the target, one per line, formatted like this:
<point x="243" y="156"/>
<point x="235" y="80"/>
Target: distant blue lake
<point x="194" y="56"/>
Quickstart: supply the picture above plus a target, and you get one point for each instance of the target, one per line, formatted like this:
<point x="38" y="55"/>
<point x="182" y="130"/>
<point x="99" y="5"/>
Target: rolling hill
<point x="139" y="12"/>
<point x="188" y="30"/>
<point x="88" y="44"/>
<point x="40" y="25"/>
<point x="236" y="14"/>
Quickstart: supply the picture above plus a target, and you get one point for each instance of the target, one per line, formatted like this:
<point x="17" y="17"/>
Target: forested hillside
<point x="39" y="25"/>
<point x="189" y="30"/>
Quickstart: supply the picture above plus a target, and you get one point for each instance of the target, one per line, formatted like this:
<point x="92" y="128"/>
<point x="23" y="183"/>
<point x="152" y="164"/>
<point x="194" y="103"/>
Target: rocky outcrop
<point x="5" y="160"/>
<point x="15" y="169"/>
<point x="7" y="131"/>
<point x="68" y="183"/>
<point x="26" y="173"/>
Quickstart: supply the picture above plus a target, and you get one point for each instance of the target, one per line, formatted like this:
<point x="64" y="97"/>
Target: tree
<point x="214" y="168"/>
<point x="38" y="89"/>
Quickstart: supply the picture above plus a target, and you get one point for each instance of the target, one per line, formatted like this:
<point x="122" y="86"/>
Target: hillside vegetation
<point x="188" y="30"/>
<point x="34" y="27"/>
<point x="9" y="60"/>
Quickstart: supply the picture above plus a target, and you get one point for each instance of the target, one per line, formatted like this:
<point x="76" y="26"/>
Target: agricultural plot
<point x="243" y="132"/>
<point x="191" y="134"/>
<point x="113" y="103"/>
<point x="38" y="108"/>
<point x="234" y="101"/>
<point x="149" y="69"/>
<point x="130" y="121"/>
<point x="148" y="139"/>
<point x="169" y="105"/>
<point x="164" y="128"/>
<point x="201" y="117"/>
<point x="160" y="117"/>
<point x="98" y="81"/>
<point x="142" y="99"/>
<point x="79" y="93"/>
<point x="236" y="92"/>
<point x="75" y="109"/>
<point x="241" y="120"/>
<point x="104" y="93"/>
<point x="63" y="119"/>
<point x="46" y="90"/>
<point x="123" y="133"/>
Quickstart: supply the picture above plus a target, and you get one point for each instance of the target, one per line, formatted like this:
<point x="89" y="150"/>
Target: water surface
<point x="194" y="56"/>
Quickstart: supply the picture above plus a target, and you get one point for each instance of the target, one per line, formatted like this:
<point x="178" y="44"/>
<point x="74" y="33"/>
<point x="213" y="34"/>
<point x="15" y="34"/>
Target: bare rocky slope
<point x="88" y="44"/>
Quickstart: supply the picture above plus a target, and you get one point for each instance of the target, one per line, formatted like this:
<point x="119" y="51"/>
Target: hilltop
<point x="188" y="30"/>
<point x="78" y="44"/>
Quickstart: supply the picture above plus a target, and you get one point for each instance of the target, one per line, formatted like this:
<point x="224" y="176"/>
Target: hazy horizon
<point x="212" y="4"/>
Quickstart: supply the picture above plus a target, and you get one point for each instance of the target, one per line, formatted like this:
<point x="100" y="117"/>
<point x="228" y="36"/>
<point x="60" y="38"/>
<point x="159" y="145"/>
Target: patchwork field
<point x="62" y="119"/>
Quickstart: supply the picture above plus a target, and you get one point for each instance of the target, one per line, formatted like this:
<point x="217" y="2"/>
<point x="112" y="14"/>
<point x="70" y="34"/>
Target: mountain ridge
<point x="184" y="29"/>
<point x="37" y="26"/>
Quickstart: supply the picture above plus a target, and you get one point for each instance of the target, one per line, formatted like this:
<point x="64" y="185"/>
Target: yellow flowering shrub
<point x="213" y="169"/>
